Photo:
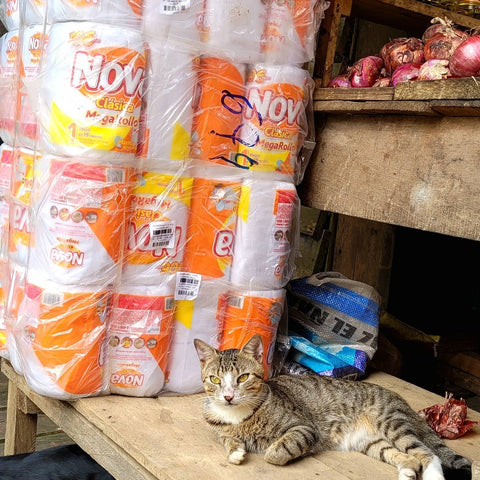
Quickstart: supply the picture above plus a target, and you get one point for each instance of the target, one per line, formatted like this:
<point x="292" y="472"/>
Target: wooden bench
<point x="167" y="438"/>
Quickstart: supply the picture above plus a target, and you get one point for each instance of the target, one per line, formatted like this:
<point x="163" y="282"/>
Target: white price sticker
<point x="187" y="285"/>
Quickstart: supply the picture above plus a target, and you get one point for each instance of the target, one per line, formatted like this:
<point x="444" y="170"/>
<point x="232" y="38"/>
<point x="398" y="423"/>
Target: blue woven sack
<point x="333" y="324"/>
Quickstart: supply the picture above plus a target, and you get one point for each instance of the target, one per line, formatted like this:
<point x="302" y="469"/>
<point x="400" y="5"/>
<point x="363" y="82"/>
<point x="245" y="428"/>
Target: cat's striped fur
<point x="289" y="417"/>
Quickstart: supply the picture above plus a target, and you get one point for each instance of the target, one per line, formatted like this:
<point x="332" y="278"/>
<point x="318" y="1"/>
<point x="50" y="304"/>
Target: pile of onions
<point x="443" y="52"/>
<point x="465" y="60"/>
<point x="401" y="51"/>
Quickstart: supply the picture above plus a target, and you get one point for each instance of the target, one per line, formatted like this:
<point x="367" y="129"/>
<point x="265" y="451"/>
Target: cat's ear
<point x="254" y="347"/>
<point x="204" y="350"/>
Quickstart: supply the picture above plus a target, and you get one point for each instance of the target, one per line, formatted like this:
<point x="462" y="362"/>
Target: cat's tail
<point x="455" y="466"/>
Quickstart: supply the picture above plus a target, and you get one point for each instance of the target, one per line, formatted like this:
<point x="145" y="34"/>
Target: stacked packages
<point x="148" y="184"/>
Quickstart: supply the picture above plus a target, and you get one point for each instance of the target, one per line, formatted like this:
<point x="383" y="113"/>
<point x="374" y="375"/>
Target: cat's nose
<point x="228" y="398"/>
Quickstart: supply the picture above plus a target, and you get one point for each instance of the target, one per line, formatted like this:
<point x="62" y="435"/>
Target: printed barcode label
<point x="187" y="285"/>
<point x="174" y="6"/>
<point x="115" y="175"/>
<point x="162" y="235"/>
<point x="50" y="298"/>
<point x="236" y="301"/>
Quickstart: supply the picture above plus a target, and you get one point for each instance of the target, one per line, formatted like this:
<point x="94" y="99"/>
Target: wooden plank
<point x="327" y="39"/>
<point x="381" y="108"/>
<point x="466" y="361"/>
<point x="449" y="89"/>
<point x="21" y="428"/>
<point x="409" y="14"/>
<point x="350" y="94"/>
<point x="364" y="252"/>
<point x="169" y="436"/>
<point x="460" y="378"/>
<point x="414" y="171"/>
<point x="88" y="436"/>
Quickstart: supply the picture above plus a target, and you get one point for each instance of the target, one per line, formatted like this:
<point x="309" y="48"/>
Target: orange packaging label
<point x="139" y="334"/>
<point x="270" y="135"/>
<point x="67" y="333"/>
<point x="247" y="315"/>
<point x="217" y="105"/>
<point x="6" y="165"/>
<point x="23" y="162"/>
<point x="158" y="218"/>
<point x="211" y="227"/>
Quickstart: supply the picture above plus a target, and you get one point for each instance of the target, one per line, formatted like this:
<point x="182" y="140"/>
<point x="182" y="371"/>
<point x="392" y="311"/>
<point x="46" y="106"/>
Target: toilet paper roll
<point x="20" y="239"/>
<point x="234" y="29"/>
<point x="250" y="313"/>
<point x="139" y="336"/>
<point x="10" y="14"/>
<point x="174" y="23"/>
<point x="265" y="238"/>
<point x="115" y="12"/>
<point x="35" y="12"/>
<point x="276" y="124"/>
<point x="6" y="169"/>
<point x="197" y="318"/>
<point x="157" y="228"/>
<point x="211" y="227"/>
<point x="290" y="31"/>
<point x="63" y="339"/>
<point x="9" y="47"/>
<point x="217" y="110"/>
<point x="16" y="276"/>
<point x="34" y="41"/>
<point x="3" y="299"/>
<point x="80" y="212"/>
<point x="167" y="108"/>
<point x="90" y="91"/>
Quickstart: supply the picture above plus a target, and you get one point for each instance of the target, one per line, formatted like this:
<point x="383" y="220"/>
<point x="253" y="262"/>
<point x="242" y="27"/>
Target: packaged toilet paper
<point x="157" y="228"/>
<point x="80" y="211"/>
<point x="91" y="87"/>
<point x="139" y="337"/>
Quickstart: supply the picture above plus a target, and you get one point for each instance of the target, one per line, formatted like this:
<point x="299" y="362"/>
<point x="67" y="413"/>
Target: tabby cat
<point x="292" y="416"/>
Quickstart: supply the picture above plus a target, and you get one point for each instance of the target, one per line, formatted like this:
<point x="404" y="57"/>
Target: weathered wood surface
<point x="166" y="438"/>
<point x="419" y="172"/>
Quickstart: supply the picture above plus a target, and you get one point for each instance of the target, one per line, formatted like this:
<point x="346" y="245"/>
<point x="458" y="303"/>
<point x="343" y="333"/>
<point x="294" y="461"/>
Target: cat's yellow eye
<point x="214" y="379"/>
<point x="242" y="378"/>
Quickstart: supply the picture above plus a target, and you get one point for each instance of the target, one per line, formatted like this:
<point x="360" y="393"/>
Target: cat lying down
<point x="66" y="462"/>
<point x="292" y="416"/>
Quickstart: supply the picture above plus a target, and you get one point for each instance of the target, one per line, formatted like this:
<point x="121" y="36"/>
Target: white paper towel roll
<point x="196" y="318"/>
<point x="61" y="337"/>
<point x="234" y="29"/>
<point x="115" y="12"/>
<point x="276" y="124"/>
<point x="265" y="237"/>
<point x="157" y="228"/>
<point x="90" y="94"/>
<point x="167" y="108"/>
<point x="80" y="212"/>
<point x="290" y="31"/>
<point x="139" y="336"/>
<point x="174" y="23"/>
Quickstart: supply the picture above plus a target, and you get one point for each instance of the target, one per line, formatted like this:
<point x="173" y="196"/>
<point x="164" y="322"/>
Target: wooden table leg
<point x="21" y="427"/>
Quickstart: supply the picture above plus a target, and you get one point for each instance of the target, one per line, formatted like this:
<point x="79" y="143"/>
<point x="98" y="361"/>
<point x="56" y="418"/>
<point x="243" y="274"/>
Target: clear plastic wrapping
<point x="152" y="155"/>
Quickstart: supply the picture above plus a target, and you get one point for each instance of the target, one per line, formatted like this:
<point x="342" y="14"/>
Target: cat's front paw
<point x="237" y="456"/>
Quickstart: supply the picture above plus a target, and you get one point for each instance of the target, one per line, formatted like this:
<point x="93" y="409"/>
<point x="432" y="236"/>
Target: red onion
<point x="383" y="82"/>
<point x="434" y="69"/>
<point x="400" y="51"/>
<point x="405" y="73"/>
<point x="440" y="25"/>
<point x="465" y="60"/>
<point x="364" y="72"/>
<point x="340" y="81"/>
